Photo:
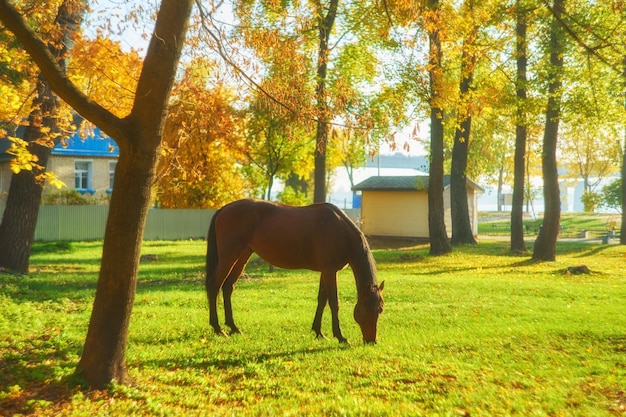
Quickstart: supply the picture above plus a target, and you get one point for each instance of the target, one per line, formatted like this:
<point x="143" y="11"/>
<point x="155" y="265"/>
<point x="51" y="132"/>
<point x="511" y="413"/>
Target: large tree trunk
<point x="139" y="137"/>
<point x="461" y="224"/>
<point x="323" y="121"/>
<point x="103" y="358"/>
<point x="19" y="221"/>
<point x="439" y="242"/>
<point x="521" y="133"/>
<point x="545" y="245"/>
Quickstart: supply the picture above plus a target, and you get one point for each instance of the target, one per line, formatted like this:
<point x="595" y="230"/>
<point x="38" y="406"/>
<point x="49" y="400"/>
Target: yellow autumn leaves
<point x="26" y="161"/>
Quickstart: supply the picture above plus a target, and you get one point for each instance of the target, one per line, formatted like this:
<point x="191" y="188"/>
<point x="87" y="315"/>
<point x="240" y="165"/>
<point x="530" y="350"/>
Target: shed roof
<point x="404" y="183"/>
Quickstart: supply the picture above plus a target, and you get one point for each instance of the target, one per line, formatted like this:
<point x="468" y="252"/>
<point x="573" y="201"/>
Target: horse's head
<point x="367" y="309"/>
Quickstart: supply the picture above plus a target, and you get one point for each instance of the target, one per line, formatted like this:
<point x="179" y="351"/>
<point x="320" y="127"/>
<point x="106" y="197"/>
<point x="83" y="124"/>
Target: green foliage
<point x="67" y="197"/>
<point x="591" y="200"/>
<point x="612" y="195"/>
<point x="476" y="332"/>
<point x="294" y="197"/>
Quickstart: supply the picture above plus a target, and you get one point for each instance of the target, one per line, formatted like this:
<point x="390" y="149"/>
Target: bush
<point x="612" y="195"/>
<point x="294" y="197"/>
<point x="67" y="198"/>
<point x="591" y="201"/>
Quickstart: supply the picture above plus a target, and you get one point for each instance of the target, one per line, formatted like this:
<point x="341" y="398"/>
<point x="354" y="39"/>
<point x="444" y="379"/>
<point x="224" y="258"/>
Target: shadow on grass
<point x="594" y="250"/>
<point x="38" y="395"/>
<point x="49" y="288"/>
<point x="189" y="279"/>
<point x="29" y="378"/>
<point x="52" y="247"/>
<point x="239" y="359"/>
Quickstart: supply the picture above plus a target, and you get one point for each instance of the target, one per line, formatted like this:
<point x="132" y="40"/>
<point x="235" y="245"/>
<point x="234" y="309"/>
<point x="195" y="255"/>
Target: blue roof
<point x="93" y="145"/>
<point x="4" y="146"/>
<point x="97" y="144"/>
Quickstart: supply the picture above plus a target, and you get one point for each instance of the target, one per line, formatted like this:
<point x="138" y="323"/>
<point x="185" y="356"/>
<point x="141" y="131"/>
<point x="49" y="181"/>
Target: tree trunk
<point x="319" y="175"/>
<point x="17" y="230"/>
<point x="461" y="225"/>
<point x="19" y="221"/>
<point x="622" y="236"/>
<point x="521" y="134"/>
<point x="545" y="245"/>
<point x="323" y="126"/>
<point x="439" y="243"/>
<point x="499" y="193"/>
<point x="103" y="358"/>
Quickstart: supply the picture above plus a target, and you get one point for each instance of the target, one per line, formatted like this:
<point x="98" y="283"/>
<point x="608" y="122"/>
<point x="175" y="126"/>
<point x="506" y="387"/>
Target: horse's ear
<point x="381" y="287"/>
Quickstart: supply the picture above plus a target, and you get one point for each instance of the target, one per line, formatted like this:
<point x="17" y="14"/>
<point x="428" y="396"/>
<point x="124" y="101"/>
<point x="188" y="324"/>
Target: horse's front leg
<point x="330" y="281"/>
<point x="322" y="298"/>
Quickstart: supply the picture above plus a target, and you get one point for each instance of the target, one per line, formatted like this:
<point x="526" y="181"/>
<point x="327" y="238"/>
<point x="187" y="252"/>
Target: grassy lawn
<point x="572" y="224"/>
<point x="478" y="332"/>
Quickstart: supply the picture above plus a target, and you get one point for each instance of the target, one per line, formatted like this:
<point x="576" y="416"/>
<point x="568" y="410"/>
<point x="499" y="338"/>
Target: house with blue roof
<point x="85" y="164"/>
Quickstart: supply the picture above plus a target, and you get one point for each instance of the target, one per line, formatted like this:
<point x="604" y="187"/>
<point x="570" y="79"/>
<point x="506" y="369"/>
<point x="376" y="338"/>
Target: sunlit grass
<point x="476" y="332"/>
<point x="572" y="224"/>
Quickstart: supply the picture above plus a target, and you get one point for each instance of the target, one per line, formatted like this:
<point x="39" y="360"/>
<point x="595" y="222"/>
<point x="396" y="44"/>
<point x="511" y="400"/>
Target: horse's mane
<point x="363" y="264"/>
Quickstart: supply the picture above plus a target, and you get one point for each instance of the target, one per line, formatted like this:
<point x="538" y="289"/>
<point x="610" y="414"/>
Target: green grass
<point x="478" y="332"/>
<point x="572" y="224"/>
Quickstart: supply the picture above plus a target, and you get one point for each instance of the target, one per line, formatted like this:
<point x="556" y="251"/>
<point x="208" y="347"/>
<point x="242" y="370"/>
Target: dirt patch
<point x="388" y="242"/>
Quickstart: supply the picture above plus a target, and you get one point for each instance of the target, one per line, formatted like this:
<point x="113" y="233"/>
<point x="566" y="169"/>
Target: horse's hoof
<point x="221" y="333"/>
<point x="344" y="341"/>
<point x="235" y="330"/>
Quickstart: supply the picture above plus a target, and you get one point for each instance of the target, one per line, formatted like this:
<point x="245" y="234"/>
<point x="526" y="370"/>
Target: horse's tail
<point x="211" y="253"/>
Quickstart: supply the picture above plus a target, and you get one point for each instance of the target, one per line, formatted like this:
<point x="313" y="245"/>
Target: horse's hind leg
<point x="322" y="298"/>
<point x="229" y="286"/>
<point x="212" y="289"/>
<point x="214" y="282"/>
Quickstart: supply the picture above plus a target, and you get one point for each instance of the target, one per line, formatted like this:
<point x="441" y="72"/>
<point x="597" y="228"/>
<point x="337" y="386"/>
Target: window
<point x="112" y="165"/>
<point x="82" y="176"/>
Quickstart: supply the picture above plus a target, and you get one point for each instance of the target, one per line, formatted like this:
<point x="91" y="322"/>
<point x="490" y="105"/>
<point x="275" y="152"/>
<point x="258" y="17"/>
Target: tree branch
<point x="160" y="64"/>
<point x="53" y="73"/>
<point x="590" y="50"/>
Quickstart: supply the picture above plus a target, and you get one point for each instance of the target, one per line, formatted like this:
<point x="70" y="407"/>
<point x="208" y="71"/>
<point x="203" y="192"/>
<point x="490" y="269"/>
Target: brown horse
<point x="319" y="237"/>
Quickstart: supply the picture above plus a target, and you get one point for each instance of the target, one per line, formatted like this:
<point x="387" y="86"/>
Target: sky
<point x="111" y="18"/>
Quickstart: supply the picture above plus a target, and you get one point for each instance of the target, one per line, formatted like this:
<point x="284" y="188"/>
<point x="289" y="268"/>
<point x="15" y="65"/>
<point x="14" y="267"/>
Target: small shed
<point x="398" y="205"/>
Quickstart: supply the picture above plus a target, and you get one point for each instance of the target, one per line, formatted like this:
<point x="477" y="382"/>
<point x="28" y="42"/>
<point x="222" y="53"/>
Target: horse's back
<point x="313" y="237"/>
